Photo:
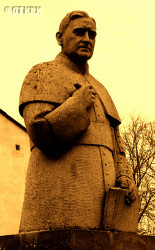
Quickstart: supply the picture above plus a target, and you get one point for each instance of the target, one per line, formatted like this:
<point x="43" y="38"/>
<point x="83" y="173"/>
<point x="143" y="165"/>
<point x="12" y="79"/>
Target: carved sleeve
<point x="50" y="127"/>
<point x="122" y="165"/>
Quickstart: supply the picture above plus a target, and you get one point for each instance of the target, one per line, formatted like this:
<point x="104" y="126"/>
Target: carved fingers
<point x="131" y="188"/>
<point x="131" y="192"/>
<point x="85" y="94"/>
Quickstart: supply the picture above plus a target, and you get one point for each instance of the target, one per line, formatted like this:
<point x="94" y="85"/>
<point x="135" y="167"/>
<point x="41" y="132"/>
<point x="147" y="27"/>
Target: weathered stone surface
<point x="14" y="156"/>
<point x="72" y="122"/>
<point x="118" y="215"/>
<point x="77" y="239"/>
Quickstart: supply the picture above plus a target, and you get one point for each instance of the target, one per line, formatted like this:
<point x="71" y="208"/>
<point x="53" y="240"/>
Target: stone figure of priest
<point x="73" y="125"/>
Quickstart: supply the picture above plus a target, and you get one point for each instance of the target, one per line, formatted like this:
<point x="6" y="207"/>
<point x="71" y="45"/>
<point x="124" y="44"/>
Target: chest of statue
<point x="55" y="83"/>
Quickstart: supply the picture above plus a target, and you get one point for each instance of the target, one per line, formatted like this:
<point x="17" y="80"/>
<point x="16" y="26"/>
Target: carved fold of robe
<point x="72" y="159"/>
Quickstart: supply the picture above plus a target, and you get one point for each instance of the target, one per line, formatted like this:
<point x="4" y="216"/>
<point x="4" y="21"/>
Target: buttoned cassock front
<point x="73" y="149"/>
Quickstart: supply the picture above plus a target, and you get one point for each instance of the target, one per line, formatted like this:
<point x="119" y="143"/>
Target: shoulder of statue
<point x="46" y="82"/>
<point x="41" y="68"/>
<point x="38" y="86"/>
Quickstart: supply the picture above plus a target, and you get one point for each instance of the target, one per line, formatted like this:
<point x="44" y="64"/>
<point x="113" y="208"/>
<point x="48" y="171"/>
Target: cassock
<point x="76" y="154"/>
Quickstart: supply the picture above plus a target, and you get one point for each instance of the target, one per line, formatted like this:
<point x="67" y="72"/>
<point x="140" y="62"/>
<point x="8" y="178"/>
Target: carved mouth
<point x="84" y="48"/>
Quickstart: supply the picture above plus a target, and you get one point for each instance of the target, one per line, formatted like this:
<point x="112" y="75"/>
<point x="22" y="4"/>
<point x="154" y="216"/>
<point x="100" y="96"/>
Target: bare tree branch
<point x="139" y="139"/>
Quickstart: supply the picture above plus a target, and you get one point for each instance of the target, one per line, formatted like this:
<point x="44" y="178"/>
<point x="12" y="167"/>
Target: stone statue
<point x="73" y="125"/>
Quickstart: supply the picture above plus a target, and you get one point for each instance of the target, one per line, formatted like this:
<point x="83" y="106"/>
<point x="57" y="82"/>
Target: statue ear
<point x="59" y="38"/>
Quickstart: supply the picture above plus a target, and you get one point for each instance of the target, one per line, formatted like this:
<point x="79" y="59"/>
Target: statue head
<point x="76" y="36"/>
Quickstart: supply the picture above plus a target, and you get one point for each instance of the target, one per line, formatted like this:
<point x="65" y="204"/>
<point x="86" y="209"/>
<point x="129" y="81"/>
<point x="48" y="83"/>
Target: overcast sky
<point x="124" y="57"/>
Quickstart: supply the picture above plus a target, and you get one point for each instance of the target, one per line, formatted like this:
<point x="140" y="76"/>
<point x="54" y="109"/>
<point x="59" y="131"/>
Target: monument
<point x="76" y="150"/>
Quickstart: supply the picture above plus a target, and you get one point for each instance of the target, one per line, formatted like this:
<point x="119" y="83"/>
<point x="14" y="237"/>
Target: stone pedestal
<point x="77" y="239"/>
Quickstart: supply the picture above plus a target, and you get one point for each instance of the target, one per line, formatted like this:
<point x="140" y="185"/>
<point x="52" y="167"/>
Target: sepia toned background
<point x="124" y="57"/>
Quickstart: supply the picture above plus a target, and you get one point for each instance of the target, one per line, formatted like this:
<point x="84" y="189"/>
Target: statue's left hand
<point x="132" y="190"/>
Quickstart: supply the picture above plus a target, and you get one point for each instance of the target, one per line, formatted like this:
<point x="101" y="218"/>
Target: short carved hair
<point x="71" y="16"/>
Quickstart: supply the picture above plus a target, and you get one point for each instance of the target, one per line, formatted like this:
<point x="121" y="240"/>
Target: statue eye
<point x="82" y="31"/>
<point x="79" y="31"/>
<point x="92" y="34"/>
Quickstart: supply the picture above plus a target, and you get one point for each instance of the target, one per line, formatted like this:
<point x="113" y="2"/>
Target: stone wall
<point x="14" y="155"/>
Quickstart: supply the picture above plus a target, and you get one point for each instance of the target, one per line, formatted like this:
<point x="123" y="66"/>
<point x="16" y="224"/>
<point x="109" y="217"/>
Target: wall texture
<point x="14" y="155"/>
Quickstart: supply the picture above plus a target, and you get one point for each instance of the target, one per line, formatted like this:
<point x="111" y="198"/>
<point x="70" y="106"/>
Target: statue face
<point x="78" y="40"/>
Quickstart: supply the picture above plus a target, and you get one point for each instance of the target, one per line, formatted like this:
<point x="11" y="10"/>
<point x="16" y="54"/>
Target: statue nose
<point x="86" y="36"/>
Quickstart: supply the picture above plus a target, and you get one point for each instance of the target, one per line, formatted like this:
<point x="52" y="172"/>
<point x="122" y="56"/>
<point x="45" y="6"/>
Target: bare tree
<point x="139" y="139"/>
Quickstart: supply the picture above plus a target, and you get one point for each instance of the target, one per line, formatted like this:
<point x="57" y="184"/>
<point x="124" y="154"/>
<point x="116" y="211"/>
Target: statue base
<point x="77" y="239"/>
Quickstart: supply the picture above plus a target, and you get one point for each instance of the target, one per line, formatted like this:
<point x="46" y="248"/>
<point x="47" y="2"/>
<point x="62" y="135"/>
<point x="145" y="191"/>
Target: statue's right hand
<point x="85" y="95"/>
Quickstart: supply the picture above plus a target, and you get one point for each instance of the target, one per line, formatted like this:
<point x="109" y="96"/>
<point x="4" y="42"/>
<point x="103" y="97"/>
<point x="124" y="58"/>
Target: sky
<point x="123" y="60"/>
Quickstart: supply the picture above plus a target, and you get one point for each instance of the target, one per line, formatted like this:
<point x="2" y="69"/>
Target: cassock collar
<point x="63" y="59"/>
